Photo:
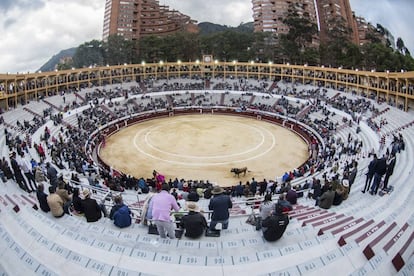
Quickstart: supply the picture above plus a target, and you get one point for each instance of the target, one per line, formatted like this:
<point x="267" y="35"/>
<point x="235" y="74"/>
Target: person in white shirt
<point x="26" y="167"/>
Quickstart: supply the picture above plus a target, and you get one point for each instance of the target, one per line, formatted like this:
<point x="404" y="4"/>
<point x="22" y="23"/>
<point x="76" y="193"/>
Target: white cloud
<point x="34" y="30"/>
<point x="39" y="33"/>
<point x="395" y="15"/>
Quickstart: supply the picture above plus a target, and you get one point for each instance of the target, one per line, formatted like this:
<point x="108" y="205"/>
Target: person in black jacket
<point x="380" y="169"/>
<point x="220" y="204"/>
<point x="274" y="226"/>
<point x="18" y="173"/>
<point x="77" y="201"/>
<point x="91" y="208"/>
<point x="42" y="198"/>
<point x="390" y="170"/>
<point x="193" y="223"/>
<point x="370" y="173"/>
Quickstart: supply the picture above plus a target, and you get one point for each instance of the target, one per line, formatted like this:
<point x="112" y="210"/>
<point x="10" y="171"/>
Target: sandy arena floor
<point x="205" y="147"/>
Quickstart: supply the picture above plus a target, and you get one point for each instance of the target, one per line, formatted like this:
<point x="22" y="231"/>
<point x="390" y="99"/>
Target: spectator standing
<point x="220" y="205"/>
<point x="370" y="173"/>
<point x="390" y="170"/>
<point x="26" y="167"/>
<point x="239" y="189"/>
<point x="51" y="174"/>
<point x="18" y="176"/>
<point x="42" y="198"/>
<point x="161" y="205"/>
<point x="253" y="187"/>
<point x="262" y="187"/>
<point x="379" y="171"/>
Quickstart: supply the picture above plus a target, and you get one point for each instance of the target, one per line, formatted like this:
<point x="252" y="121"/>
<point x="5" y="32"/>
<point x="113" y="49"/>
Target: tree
<point x="89" y="54"/>
<point x="302" y="32"/>
<point x="335" y="50"/>
<point x="118" y="50"/>
<point x="401" y="47"/>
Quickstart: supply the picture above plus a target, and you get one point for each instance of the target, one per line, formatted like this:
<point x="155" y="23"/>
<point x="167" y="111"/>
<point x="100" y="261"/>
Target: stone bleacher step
<point x="398" y="260"/>
<point x="229" y="260"/>
<point x="32" y="112"/>
<point x="369" y="249"/>
<point x="77" y="95"/>
<point x="317" y="217"/>
<point x="52" y="105"/>
<point x="342" y="240"/>
<point x="324" y="229"/>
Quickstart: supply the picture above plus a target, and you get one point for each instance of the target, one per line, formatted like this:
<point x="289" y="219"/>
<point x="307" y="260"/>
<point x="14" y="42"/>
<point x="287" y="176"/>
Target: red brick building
<point x="133" y="19"/>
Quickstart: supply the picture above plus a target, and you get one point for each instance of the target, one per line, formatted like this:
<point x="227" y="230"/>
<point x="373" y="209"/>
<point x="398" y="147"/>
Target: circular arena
<point x="208" y="145"/>
<point x="192" y="123"/>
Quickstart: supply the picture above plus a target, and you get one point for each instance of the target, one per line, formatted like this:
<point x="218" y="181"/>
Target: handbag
<point x="212" y="233"/>
<point x="152" y="229"/>
<point x="251" y="219"/>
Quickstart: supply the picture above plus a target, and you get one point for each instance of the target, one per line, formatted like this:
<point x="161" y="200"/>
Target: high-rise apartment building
<point x="337" y="14"/>
<point x="133" y="19"/>
<point x="367" y="32"/>
<point x="268" y="15"/>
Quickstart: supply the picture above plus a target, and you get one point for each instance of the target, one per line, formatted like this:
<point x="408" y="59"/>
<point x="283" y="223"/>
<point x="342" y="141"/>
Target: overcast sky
<point x="32" y="31"/>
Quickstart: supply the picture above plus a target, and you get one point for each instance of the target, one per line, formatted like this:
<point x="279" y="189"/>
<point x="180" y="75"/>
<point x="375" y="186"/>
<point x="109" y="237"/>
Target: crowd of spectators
<point x="66" y="150"/>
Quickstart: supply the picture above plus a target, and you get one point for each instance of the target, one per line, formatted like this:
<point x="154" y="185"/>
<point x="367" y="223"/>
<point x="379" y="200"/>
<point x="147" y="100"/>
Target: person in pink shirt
<point x="162" y="204"/>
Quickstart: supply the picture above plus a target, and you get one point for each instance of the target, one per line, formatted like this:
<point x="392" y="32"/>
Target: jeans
<point x="224" y="223"/>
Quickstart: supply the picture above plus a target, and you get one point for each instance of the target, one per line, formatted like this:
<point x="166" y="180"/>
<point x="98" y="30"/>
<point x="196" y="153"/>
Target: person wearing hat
<point x="91" y="209"/>
<point x="220" y="205"/>
<point x="193" y="223"/>
<point x="275" y="225"/>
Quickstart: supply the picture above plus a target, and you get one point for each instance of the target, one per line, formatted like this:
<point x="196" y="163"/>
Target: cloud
<point x="8" y="22"/>
<point x="392" y="14"/>
<point x="7" y="5"/>
<point x="41" y="32"/>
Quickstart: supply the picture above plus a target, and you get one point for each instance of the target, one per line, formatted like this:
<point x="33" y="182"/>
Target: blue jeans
<point x="224" y="224"/>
